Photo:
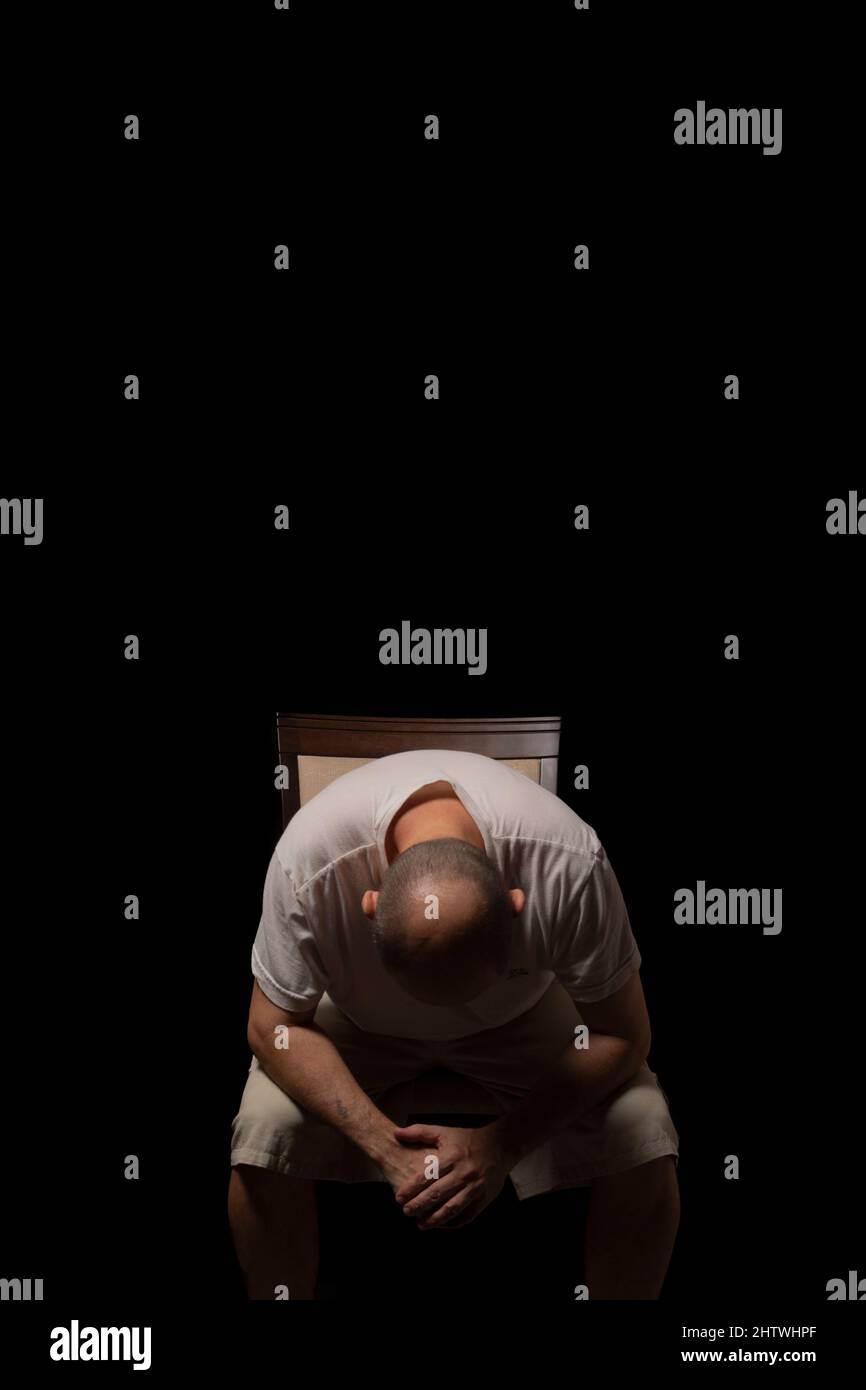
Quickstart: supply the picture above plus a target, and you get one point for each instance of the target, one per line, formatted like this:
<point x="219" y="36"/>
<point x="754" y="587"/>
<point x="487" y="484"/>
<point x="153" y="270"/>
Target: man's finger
<point x="417" y="1134"/>
<point x="427" y="1199"/>
<point x="458" y="1212"/>
<point x="413" y="1186"/>
<point x="468" y="1214"/>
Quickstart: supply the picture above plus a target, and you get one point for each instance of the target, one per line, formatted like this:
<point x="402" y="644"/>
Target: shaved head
<point x="443" y="921"/>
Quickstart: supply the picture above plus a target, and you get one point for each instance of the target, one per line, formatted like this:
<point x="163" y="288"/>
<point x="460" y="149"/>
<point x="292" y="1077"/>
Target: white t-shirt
<point x="314" y="938"/>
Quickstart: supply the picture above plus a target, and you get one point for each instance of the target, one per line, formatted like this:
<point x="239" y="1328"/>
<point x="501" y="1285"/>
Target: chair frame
<point x="350" y="736"/>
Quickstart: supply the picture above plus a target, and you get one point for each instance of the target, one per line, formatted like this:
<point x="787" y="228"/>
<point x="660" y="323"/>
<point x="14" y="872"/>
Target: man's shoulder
<point x="321" y="836"/>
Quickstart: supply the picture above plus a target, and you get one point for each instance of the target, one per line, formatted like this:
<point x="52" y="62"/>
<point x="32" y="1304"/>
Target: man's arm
<point x="311" y="1071"/>
<point x="618" y="1045"/>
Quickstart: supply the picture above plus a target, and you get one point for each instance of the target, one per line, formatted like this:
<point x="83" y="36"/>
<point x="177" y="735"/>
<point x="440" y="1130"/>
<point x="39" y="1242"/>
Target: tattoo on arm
<point x="342" y="1110"/>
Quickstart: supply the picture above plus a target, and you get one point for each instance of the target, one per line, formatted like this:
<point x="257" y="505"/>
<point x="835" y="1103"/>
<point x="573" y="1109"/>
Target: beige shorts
<point x="489" y="1072"/>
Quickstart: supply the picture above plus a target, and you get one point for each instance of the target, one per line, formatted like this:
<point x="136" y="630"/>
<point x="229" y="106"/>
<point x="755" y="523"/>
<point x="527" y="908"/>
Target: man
<point x="439" y="908"/>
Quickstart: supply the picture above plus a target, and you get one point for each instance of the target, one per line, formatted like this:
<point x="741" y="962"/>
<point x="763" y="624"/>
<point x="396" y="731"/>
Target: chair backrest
<point x="316" y="748"/>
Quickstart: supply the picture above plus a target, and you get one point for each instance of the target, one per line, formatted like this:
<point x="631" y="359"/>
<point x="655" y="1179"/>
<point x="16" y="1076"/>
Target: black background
<point x="707" y="517"/>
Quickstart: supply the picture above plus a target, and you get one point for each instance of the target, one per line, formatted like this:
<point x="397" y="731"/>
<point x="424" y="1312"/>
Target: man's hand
<point x="402" y="1166"/>
<point x="472" y="1169"/>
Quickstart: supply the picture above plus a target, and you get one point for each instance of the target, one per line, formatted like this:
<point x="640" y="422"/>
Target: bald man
<point x="437" y="908"/>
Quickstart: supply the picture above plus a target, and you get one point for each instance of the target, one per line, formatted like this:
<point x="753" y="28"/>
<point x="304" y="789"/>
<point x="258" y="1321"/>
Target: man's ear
<point x="368" y="903"/>
<point x="518" y="899"/>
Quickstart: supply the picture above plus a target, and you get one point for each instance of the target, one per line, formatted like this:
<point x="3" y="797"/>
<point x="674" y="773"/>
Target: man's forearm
<point x="577" y="1081"/>
<point x="312" y="1072"/>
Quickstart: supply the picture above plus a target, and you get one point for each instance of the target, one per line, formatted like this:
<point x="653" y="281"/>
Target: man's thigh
<point x="630" y="1126"/>
<point x="271" y="1130"/>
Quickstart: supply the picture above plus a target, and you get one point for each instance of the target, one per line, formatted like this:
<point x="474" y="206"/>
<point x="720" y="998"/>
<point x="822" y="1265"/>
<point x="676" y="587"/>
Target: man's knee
<point x="268" y="1186"/>
<point x="645" y="1195"/>
<point x="256" y="1175"/>
<point x="636" y="1118"/>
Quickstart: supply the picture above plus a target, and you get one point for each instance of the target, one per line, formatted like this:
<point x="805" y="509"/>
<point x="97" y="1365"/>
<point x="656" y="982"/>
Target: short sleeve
<point x="595" y="951"/>
<point x="285" y="959"/>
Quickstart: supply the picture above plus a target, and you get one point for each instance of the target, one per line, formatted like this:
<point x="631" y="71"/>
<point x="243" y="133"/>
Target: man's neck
<point x="431" y="813"/>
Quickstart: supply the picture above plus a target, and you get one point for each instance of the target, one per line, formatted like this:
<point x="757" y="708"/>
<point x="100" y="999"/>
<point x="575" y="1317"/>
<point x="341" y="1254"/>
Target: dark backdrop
<point x="707" y="517"/>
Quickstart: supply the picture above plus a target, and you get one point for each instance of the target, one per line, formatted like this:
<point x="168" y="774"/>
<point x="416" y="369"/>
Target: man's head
<point x="442" y="921"/>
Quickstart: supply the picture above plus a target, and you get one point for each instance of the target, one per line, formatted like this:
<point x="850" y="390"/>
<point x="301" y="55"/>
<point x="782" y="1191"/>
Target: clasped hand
<point x="471" y="1168"/>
